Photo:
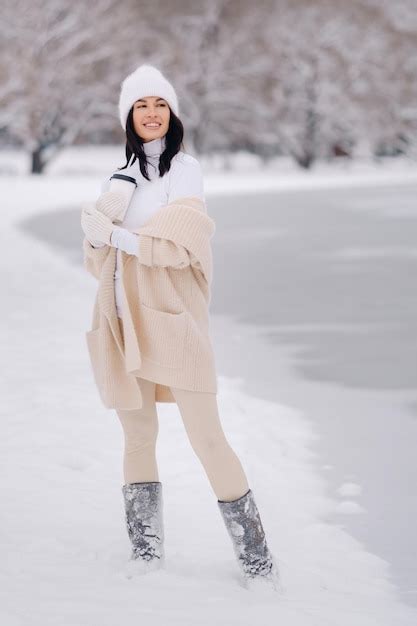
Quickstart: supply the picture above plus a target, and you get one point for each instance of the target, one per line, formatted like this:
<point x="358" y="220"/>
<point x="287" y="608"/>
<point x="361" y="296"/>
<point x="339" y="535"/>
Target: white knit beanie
<point x="146" y="80"/>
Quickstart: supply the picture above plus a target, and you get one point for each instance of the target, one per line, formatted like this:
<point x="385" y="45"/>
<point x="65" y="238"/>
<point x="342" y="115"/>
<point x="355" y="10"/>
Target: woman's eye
<point x="140" y="106"/>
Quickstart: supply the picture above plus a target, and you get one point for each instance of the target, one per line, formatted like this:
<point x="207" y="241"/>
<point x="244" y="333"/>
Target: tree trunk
<point x="37" y="163"/>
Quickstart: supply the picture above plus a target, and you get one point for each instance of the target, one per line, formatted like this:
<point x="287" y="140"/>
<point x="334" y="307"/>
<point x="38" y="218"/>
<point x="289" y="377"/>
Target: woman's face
<point x="151" y="110"/>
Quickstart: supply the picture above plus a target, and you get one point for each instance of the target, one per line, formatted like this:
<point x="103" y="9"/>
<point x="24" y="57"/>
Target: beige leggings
<point x="200" y="415"/>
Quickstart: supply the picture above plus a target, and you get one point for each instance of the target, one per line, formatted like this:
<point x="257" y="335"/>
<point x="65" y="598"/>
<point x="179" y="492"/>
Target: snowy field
<point x="63" y="539"/>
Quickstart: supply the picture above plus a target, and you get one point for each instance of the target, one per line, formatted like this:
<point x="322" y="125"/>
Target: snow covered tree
<point x="61" y="67"/>
<point x="217" y="69"/>
<point x="341" y="74"/>
<point x="295" y="77"/>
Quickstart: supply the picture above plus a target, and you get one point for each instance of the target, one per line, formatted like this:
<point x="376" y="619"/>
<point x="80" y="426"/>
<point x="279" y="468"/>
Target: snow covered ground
<point x="63" y="541"/>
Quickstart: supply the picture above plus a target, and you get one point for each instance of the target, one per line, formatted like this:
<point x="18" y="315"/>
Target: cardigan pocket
<point x="162" y="336"/>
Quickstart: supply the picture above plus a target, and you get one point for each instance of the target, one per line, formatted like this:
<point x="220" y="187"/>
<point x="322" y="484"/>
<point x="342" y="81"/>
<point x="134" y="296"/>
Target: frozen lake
<point x="330" y="275"/>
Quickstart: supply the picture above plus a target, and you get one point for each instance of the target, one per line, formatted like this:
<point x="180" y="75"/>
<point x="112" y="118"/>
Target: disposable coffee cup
<point x="124" y="185"/>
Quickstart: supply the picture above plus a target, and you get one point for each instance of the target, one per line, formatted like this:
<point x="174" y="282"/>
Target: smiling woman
<point x="150" y="339"/>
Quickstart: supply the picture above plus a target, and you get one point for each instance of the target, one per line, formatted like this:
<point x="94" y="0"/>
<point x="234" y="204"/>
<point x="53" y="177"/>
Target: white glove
<point x="125" y="240"/>
<point x="96" y="225"/>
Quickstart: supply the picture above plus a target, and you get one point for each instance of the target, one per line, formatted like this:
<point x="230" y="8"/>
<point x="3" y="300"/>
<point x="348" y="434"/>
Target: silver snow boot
<point x="244" y="526"/>
<point x="144" y="520"/>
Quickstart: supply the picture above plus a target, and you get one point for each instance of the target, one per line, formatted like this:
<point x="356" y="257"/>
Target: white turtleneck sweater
<point x="183" y="179"/>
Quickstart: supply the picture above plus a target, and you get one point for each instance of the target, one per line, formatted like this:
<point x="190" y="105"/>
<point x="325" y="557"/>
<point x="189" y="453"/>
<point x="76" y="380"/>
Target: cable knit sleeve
<point x="104" y="187"/>
<point x="93" y="258"/>
<point x="153" y="251"/>
<point x="156" y="251"/>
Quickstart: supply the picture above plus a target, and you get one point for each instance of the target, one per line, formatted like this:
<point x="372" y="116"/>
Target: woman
<point x="150" y="339"/>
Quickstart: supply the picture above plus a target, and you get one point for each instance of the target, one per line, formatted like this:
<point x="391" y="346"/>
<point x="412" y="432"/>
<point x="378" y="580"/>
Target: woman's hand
<point x="124" y="240"/>
<point x="96" y="225"/>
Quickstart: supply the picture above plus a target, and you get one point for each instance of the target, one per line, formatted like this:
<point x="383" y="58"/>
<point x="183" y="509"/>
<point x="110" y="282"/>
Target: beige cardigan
<point x="166" y="294"/>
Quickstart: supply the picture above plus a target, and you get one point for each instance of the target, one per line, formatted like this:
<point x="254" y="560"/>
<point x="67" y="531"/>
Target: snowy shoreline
<point x="63" y="527"/>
